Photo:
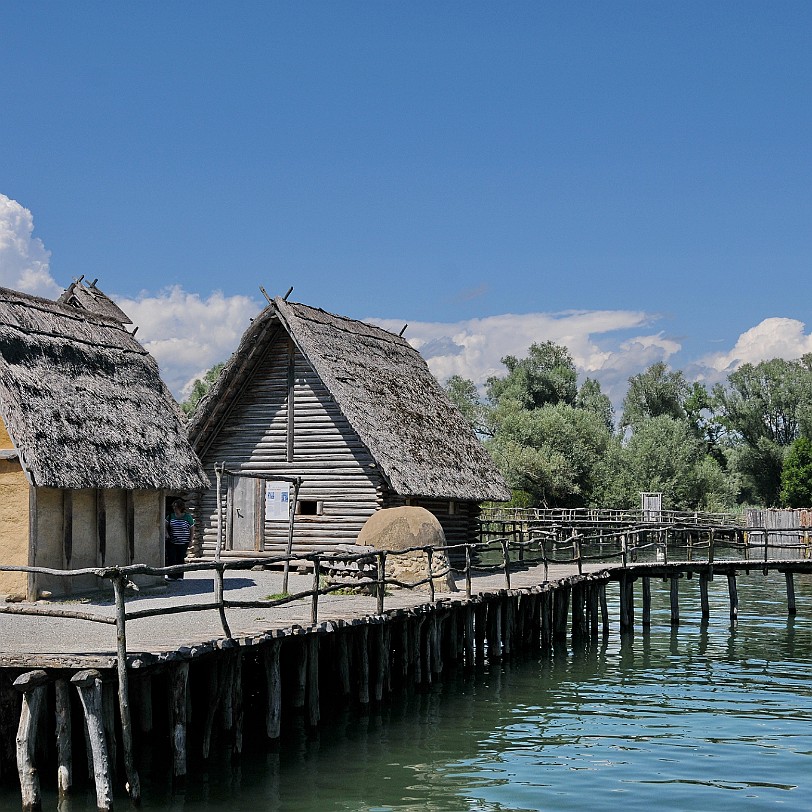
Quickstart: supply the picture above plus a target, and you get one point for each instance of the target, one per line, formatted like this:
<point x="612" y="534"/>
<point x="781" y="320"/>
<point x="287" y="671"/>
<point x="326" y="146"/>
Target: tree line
<point x="747" y="441"/>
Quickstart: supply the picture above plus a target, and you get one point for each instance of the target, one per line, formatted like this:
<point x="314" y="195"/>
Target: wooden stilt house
<point x="353" y="411"/>
<point x="91" y="443"/>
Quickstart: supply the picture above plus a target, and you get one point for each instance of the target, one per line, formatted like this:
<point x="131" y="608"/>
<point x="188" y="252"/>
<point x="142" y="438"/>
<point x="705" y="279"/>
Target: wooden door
<point x="245" y="525"/>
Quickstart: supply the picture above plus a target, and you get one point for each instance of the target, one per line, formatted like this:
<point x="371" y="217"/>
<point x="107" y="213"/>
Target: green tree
<point x="664" y="455"/>
<point x="654" y="393"/>
<point x="764" y="408"/>
<point x="464" y="395"/>
<point x="796" y="476"/>
<point x="551" y="453"/>
<point x="591" y="398"/>
<point x="546" y="377"/>
<point x="200" y="387"/>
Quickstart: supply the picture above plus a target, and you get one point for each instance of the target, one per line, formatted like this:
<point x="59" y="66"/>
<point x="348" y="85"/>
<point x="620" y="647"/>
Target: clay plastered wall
<point x="14" y="522"/>
<point x="73" y="518"/>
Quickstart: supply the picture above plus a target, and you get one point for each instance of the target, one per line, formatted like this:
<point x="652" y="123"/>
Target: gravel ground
<point x="24" y="636"/>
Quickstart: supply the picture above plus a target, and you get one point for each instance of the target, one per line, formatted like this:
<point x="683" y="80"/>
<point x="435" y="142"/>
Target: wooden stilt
<point x="480" y="630"/>
<point x="89" y="685"/>
<point x="32" y="686"/>
<point x="363" y="665"/>
<point x="144" y="691"/>
<point x="227" y="691"/>
<point x="381" y="656"/>
<point x="468" y="636"/>
<point x="577" y="613"/>
<point x="646" y="601"/>
<point x="545" y="616"/>
<point x="604" y="609"/>
<point x="213" y="670"/>
<point x="417" y="649"/>
<point x="64" y="752"/>
<point x="625" y="622"/>
<point x="561" y="599"/>
<point x="405" y="649"/>
<point x="313" y="708"/>
<point x="674" y="600"/>
<point x="109" y="719"/>
<point x="703" y="595"/>
<point x="436" y="644"/>
<point x="237" y="700"/>
<point x="273" y="683"/>
<point x="734" y="596"/>
<point x="300" y="682"/>
<point x="179" y="684"/>
<point x="791" y="608"/>
<point x="343" y="663"/>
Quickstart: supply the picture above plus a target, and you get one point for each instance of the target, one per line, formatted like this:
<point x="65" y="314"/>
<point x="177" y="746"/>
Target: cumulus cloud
<point x="24" y="260"/>
<point x="771" y="338"/>
<point x="186" y="333"/>
<point x="609" y="345"/>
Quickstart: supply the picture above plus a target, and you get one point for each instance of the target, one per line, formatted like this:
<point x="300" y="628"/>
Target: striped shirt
<point x="180" y="528"/>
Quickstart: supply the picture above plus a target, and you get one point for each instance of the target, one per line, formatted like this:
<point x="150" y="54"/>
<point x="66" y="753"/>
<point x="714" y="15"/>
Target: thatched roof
<point x="420" y="441"/>
<point x="89" y="297"/>
<point x="84" y="404"/>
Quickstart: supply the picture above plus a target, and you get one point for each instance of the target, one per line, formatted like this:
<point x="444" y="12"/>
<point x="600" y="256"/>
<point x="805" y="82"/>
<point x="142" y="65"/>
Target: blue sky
<point x="632" y="179"/>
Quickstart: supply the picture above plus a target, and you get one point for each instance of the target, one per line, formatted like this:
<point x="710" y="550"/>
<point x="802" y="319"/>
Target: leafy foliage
<point x="200" y="387"/>
<point x="796" y="476"/>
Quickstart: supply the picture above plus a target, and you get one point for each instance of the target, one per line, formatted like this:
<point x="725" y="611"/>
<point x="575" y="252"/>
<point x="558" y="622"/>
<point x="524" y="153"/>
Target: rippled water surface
<point x="701" y="717"/>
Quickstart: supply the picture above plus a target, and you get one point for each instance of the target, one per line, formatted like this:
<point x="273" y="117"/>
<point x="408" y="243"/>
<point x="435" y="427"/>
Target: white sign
<point x="277" y="501"/>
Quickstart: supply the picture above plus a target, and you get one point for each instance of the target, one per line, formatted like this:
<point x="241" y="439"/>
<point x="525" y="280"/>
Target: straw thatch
<point x="84" y="404"/>
<point x="88" y="297"/>
<point x="418" y="438"/>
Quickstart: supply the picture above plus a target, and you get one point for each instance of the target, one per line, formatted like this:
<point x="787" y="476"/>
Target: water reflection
<point x="699" y="716"/>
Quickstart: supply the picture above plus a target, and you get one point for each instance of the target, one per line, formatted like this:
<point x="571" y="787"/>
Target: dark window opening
<point x="308" y="507"/>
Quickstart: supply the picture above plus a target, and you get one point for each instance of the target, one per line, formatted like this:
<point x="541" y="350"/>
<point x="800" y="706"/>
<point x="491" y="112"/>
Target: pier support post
<point x="32" y="686"/>
<point x="89" y="685"/>
<point x="561" y="600"/>
<point x="363" y="665"/>
<point x="300" y="686"/>
<point x="791" y="608"/>
<point x="179" y="686"/>
<point x="703" y="595"/>
<point x="480" y="630"/>
<point x="646" y="583"/>
<point x="734" y="596"/>
<point x="237" y="700"/>
<point x="674" y="600"/>
<point x="273" y="683"/>
<point x="468" y="636"/>
<point x="604" y="609"/>
<point x="144" y="691"/>
<point x="313" y="708"/>
<point x="64" y="753"/>
<point x="626" y="602"/>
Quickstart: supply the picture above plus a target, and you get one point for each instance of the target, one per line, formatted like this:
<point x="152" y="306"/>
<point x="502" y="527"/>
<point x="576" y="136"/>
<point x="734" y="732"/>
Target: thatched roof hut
<point x="420" y="441"/>
<point x="84" y="403"/>
<point x="352" y="409"/>
<point x="91" y="443"/>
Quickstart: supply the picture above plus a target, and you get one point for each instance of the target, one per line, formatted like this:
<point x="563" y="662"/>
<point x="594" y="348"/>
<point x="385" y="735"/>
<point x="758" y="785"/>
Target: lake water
<point x="701" y="717"/>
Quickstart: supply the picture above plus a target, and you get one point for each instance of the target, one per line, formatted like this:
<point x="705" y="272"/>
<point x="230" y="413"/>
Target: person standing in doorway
<point x="179" y="525"/>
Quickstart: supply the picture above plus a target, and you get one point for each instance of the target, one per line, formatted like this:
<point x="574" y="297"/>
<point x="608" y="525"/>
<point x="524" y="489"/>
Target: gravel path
<point x="35" y="638"/>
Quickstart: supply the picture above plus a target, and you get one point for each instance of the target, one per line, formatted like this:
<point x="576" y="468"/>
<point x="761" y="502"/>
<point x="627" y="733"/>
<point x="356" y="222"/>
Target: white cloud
<point x="771" y="338"/>
<point x="598" y="340"/>
<point x="24" y="260"/>
<point x="186" y="333"/>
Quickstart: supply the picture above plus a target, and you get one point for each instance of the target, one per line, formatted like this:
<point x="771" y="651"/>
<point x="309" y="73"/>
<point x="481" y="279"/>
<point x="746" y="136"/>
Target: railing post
<point x="133" y="784"/>
<point x="576" y="544"/>
<point x="710" y="551"/>
<point x="314" y="604"/>
<point x="382" y="579"/>
<point x="219" y="568"/>
<point x="544" y="559"/>
<point x="624" y="550"/>
<point x="506" y="559"/>
<point x="429" y="555"/>
<point x="468" y="571"/>
<point x="766" y="549"/>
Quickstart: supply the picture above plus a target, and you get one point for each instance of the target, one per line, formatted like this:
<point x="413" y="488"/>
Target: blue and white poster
<point x="277" y="501"/>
